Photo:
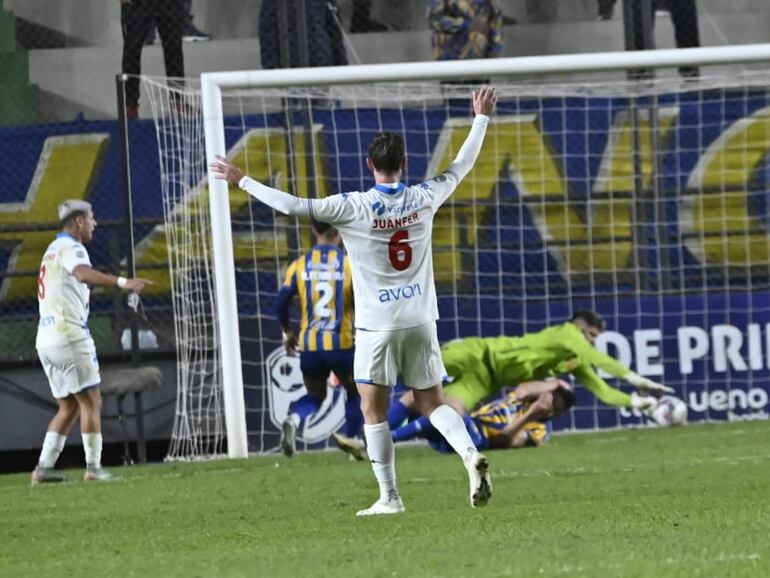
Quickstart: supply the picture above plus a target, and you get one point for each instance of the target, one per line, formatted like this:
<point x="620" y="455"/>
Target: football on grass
<point x="670" y="411"/>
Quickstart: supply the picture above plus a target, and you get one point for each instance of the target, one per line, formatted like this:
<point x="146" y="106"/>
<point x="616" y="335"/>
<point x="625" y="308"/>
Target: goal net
<point x="644" y="201"/>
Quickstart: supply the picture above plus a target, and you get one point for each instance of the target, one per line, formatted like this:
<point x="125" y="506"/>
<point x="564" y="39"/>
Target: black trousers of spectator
<point x="684" y="17"/>
<point x="137" y="19"/>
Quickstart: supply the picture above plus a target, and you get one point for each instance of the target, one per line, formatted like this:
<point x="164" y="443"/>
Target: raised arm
<point x="441" y="187"/>
<point x="333" y="209"/>
<point x="483" y="104"/>
<point x="278" y="200"/>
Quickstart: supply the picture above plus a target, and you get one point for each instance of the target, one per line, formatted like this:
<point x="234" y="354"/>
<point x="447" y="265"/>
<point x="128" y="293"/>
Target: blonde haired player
<point x="387" y="232"/>
<point x="64" y="344"/>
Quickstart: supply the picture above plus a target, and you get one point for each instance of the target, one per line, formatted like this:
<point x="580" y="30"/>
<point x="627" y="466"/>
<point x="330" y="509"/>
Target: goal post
<point x="282" y="82"/>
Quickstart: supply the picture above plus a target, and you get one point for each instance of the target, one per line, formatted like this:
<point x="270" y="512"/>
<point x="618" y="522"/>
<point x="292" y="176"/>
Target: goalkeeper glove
<point x="643" y="403"/>
<point x="646" y="384"/>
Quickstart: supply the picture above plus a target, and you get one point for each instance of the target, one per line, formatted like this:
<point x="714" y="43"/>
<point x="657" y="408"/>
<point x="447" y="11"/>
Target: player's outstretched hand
<point x="645" y="384"/>
<point x="225" y="170"/>
<point x="650" y="385"/>
<point x="484" y="100"/>
<point x="136" y="284"/>
<point x="643" y="403"/>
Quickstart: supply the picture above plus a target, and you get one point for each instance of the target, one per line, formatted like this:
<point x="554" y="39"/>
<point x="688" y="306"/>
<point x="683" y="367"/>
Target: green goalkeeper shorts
<point x="466" y="363"/>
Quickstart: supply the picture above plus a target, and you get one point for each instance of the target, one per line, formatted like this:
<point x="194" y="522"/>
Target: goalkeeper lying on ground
<point x="480" y="367"/>
<point x="519" y="419"/>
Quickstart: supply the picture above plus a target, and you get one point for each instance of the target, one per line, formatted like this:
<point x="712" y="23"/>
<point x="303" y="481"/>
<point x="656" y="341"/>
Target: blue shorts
<point x="317" y="365"/>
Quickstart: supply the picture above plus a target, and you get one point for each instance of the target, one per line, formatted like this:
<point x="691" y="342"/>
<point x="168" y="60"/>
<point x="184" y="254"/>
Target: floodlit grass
<point x="683" y="502"/>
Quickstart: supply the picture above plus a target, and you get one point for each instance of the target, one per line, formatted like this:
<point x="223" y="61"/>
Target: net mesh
<point x="646" y="202"/>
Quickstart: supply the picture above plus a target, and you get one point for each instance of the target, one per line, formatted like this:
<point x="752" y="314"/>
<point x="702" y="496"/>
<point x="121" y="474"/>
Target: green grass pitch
<point x="693" y="501"/>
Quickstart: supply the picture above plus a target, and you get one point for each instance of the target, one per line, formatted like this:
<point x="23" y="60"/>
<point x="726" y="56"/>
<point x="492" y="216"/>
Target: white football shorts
<point x="70" y="368"/>
<point x="413" y="353"/>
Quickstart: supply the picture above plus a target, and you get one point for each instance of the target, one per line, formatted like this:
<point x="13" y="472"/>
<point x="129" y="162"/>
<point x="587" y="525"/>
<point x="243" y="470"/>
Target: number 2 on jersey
<point x="399" y="251"/>
<point x="320" y="308"/>
<point x="41" y="283"/>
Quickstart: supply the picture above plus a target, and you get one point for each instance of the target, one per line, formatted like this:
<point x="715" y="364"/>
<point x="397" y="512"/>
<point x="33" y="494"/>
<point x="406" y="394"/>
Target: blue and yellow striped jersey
<point x="492" y="418"/>
<point x="323" y="280"/>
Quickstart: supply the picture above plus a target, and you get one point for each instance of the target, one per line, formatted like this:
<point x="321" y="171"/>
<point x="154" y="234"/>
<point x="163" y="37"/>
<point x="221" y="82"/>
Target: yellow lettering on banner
<point x="716" y="222"/>
<point x="263" y="155"/>
<point x="616" y="170"/>
<point x="592" y="236"/>
<point x="67" y="169"/>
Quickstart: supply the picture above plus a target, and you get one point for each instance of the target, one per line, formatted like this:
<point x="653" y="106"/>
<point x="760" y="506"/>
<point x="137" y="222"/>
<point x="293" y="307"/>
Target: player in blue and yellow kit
<point x="521" y="418"/>
<point x="323" y="282"/>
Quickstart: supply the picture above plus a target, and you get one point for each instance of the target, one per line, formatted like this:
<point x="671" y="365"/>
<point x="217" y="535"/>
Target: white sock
<point x="447" y="421"/>
<point x="294" y="418"/>
<point x="92" y="446"/>
<point x="379" y="445"/>
<point x="53" y="444"/>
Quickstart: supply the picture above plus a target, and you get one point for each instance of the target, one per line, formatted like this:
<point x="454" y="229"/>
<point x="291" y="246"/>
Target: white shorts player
<point x="64" y="344"/>
<point x="387" y="232"/>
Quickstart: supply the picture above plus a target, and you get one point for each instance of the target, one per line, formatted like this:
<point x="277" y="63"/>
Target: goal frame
<point x="212" y="84"/>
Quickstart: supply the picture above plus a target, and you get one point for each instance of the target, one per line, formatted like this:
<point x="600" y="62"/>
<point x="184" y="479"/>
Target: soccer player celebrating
<point x="522" y="418"/>
<point x="480" y="367"/>
<point x="64" y="344"/>
<point x="323" y="281"/>
<point x="387" y="232"/>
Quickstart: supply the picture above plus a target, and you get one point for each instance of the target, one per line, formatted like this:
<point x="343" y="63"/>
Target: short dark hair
<point x="590" y="318"/>
<point x="387" y="152"/>
<point x="563" y="400"/>
<point x="321" y="228"/>
<point x="71" y="218"/>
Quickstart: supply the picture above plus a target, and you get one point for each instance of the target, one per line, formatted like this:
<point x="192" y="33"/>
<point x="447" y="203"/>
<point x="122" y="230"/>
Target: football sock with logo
<point x="92" y="446"/>
<point x="411" y="430"/>
<point x="447" y="421"/>
<point x="304" y="407"/>
<point x="382" y="456"/>
<point x="398" y="414"/>
<point x="354" y="419"/>
<point x="53" y="444"/>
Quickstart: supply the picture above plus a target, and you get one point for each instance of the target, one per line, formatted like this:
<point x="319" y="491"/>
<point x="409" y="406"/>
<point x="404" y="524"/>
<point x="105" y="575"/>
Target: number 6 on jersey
<point x="399" y="251"/>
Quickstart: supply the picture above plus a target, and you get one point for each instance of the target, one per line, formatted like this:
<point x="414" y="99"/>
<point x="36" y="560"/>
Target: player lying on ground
<point x="64" y="344"/>
<point x="387" y="233"/>
<point x="323" y="281"/>
<point x="522" y="418"/>
<point x="480" y="367"/>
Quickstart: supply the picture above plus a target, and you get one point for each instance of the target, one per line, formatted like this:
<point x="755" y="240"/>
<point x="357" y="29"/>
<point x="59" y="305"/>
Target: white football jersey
<point x="387" y="233"/>
<point x="62" y="299"/>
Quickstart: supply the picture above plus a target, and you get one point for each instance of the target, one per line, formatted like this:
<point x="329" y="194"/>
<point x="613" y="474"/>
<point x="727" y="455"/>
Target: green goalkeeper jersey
<point x="508" y="361"/>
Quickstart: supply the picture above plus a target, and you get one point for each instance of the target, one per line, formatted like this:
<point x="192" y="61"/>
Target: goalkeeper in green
<point x="480" y="367"/>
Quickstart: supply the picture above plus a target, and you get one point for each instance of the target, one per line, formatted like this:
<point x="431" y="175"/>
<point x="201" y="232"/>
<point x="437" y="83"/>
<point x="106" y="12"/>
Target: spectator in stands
<point x="137" y="18"/>
<point x="362" y="20"/>
<point x="191" y="32"/>
<point x="324" y="36"/>
<point x="465" y="29"/>
<point x="684" y="17"/>
<point x="606" y="9"/>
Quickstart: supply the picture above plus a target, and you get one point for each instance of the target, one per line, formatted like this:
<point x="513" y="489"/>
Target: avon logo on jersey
<point x="399" y="293"/>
